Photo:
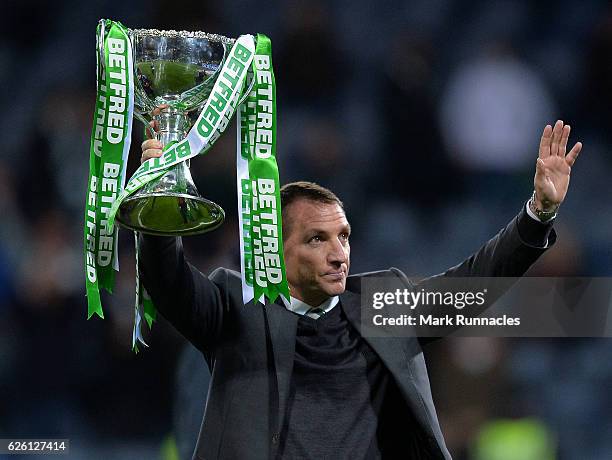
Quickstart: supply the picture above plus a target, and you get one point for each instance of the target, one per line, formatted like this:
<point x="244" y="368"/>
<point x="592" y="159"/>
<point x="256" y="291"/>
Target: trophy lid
<point x="181" y="33"/>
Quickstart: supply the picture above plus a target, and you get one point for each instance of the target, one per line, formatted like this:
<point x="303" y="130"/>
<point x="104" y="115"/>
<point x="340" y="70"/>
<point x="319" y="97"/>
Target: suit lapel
<point x="283" y="328"/>
<point x="390" y="349"/>
<point x="395" y="353"/>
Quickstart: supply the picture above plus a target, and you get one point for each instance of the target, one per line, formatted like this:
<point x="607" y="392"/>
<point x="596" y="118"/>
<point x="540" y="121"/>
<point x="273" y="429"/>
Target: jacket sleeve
<point x="190" y="301"/>
<point x="494" y="267"/>
<point x="511" y="252"/>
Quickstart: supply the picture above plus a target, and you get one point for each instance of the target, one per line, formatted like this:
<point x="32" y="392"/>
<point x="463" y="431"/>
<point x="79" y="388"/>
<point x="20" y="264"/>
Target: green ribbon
<point x="258" y="187"/>
<point x="109" y="148"/>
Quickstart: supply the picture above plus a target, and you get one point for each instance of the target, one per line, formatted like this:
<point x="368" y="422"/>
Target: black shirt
<point x="338" y="396"/>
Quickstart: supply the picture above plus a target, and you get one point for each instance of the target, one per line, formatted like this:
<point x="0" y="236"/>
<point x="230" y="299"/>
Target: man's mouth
<point x="335" y="275"/>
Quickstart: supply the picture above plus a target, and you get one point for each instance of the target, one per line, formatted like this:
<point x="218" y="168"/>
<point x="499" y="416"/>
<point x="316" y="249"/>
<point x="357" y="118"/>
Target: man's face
<point x="316" y="250"/>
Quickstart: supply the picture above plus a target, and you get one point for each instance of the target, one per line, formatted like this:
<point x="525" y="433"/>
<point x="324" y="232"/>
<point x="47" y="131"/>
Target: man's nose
<point x="337" y="253"/>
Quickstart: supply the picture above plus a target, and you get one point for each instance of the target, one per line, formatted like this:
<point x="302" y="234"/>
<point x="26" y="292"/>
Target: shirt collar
<point x="301" y="308"/>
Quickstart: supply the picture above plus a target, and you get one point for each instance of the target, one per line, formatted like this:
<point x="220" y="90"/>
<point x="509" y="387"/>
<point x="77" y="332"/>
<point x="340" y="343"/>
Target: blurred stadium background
<point x="424" y="116"/>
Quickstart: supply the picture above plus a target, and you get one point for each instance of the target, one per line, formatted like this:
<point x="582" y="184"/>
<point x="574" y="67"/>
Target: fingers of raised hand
<point x="545" y="141"/>
<point x="557" y="133"/>
<point x="157" y="110"/>
<point x="564" y="137"/>
<point x="154" y="126"/>
<point x="154" y="123"/>
<point x="150" y="153"/>
<point x="151" y="148"/>
<point x="570" y="158"/>
<point x="151" y="144"/>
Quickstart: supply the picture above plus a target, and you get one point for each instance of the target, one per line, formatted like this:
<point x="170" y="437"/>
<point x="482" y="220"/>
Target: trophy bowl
<point x="174" y="75"/>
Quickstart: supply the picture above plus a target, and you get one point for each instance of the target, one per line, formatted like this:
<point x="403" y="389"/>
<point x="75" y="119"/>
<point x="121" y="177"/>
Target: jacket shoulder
<point x="222" y="275"/>
<point x="353" y="282"/>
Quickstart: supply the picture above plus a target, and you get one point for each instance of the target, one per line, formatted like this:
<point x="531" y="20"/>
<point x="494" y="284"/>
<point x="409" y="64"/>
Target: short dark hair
<point x="293" y="191"/>
<point x="305" y="190"/>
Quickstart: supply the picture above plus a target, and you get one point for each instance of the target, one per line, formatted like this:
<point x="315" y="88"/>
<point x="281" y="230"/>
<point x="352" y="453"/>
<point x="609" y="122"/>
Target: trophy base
<point x="166" y="214"/>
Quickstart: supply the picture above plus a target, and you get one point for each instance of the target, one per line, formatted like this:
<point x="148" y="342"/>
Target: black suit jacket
<point x="250" y="349"/>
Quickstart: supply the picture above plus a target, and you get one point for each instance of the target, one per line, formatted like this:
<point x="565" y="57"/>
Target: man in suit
<point x="299" y="380"/>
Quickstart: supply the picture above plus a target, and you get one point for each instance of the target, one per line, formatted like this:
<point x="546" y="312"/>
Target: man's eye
<point x="344" y="236"/>
<point x="314" y="239"/>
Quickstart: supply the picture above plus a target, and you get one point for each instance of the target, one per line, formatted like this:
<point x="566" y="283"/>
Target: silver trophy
<point x="176" y="71"/>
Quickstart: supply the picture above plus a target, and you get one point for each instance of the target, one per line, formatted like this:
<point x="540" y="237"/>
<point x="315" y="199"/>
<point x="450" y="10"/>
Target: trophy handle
<point x="101" y="61"/>
<point x="146" y="122"/>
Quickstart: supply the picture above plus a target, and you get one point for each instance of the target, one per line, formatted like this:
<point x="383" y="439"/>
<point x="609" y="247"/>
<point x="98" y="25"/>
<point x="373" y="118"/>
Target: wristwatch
<point x="544" y="216"/>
